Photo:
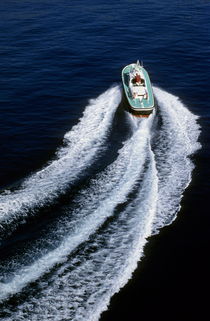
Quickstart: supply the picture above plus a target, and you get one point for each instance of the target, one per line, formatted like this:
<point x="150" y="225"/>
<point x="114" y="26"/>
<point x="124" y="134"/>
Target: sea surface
<point x="103" y="216"/>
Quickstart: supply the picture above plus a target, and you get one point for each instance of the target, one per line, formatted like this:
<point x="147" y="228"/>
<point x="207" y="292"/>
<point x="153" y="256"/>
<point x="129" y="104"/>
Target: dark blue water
<point x="76" y="205"/>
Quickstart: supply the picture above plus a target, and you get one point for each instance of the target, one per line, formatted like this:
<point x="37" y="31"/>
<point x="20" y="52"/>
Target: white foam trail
<point x="83" y="142"/>
<point x="104" y="272"/>
<point x="140" y="226"/>
<point x="81" y="288"/>
<point x="101" y="274"/>
<point x="115" y="184"/>
<point x="176" y="141"/>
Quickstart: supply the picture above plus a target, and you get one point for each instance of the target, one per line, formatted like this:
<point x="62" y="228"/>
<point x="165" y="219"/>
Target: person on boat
<point x="137" y="79"/>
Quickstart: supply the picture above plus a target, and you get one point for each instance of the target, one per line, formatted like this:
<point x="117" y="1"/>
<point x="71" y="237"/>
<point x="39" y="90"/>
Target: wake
<point x="82" y="142"/>
<point x="103" y="237"/>
<point x="111" y="187"/>
<point x="175" y="142"/>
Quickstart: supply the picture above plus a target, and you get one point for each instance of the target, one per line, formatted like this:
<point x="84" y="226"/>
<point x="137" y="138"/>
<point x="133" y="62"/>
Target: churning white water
<point x="102" y="238"/>
<point x="175" y="142"/>
<point x="83" y="141"/>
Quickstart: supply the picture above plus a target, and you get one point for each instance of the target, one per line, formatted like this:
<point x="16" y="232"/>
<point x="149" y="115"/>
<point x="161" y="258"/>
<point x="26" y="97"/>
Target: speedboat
<point x="138" y="90"/>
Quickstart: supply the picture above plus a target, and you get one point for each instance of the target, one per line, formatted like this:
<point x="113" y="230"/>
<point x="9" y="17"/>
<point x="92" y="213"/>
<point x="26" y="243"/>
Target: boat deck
<point x="138" y="104"/>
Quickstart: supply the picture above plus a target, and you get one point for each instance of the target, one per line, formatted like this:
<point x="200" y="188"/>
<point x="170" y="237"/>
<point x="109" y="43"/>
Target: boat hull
<point x="139" y="106"/>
